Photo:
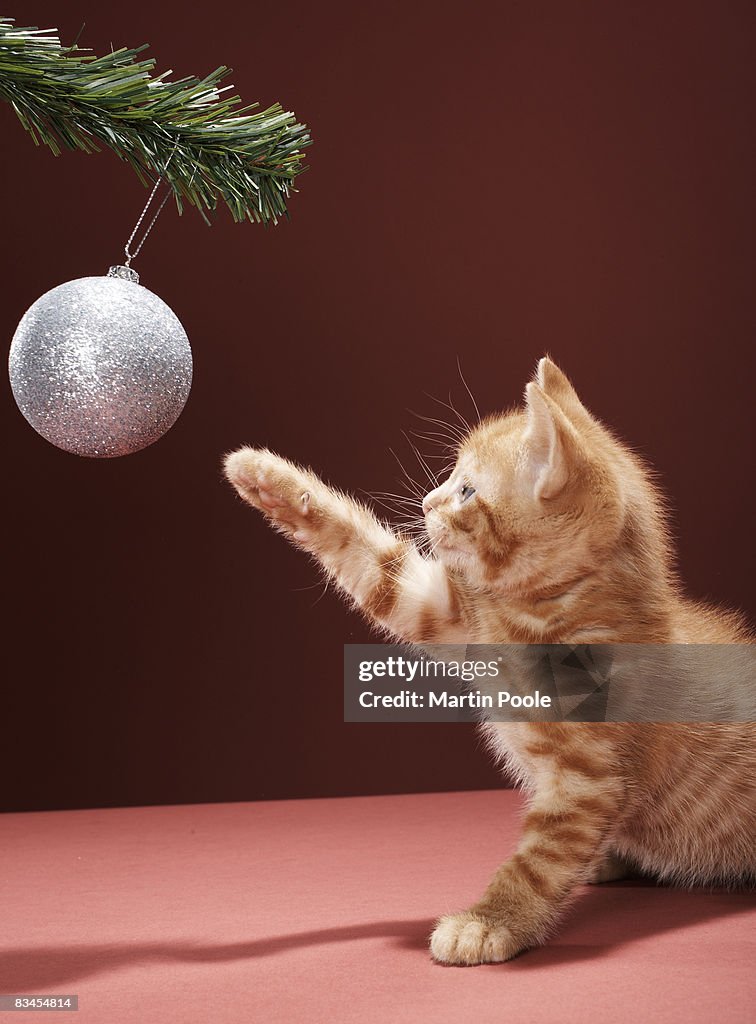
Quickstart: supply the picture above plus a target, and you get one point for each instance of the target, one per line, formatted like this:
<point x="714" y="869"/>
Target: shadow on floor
<point x="603" y="921"/>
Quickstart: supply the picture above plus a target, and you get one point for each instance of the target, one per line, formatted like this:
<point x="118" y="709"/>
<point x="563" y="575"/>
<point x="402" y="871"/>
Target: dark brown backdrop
<point x="489" y="182"/>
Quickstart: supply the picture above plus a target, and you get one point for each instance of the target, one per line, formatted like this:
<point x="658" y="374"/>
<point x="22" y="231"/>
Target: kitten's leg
<point x="383" y="572"/>
<point x="570" y="820"/>
<point x="608" y="869"/>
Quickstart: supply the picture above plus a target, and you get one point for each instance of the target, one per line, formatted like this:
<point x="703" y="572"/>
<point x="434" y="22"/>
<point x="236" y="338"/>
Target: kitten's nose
<point x="429" y="500"/>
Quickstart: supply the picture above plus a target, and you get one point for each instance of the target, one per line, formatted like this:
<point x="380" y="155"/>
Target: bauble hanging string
<point x="101" y="366"/>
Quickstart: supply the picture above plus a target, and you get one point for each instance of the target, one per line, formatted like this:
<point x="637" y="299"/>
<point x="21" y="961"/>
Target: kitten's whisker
<point x="326" y="586"/>
<point x="396" y="504"/>
<point x="451" y="427"/>
<point x="451" y="407"/>
<point x="458" y="414"/>
<point x="467" y="388"/>
<point x="414" y="523"/>
<point x="392" y="494"/>
<point x="432" y="436"/>
<point x="397" y="512"/>
<point x="455" y="433"/>
<point x="398" y="509"/>
<point x="426" y="468"/>
<point x="432" y="547"/>
<point x="412" y="485"/>
<point x="442" y="441"/>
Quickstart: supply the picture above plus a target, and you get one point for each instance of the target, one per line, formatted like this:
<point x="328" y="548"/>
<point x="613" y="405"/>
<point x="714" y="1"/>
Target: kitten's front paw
<point x="274" y="486"/>
<point x="472" y="938"/>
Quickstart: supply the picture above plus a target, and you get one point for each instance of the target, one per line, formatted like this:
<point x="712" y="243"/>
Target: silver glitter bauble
<point x="101" y="366"/>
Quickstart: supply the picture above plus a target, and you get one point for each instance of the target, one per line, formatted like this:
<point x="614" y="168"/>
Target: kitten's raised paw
<point x="273" y="485"/>
<point x="471" y="938"/>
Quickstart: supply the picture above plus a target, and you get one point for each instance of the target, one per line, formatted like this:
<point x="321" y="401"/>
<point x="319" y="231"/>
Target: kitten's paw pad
<point x="470" y="938"/>
<point x="271" y="484"/>
<point x="267" y="498"/>
<point x="244" y="470"/>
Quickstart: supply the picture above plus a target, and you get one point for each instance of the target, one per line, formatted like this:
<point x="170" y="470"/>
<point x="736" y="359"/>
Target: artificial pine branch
<point x="183" y="131"/>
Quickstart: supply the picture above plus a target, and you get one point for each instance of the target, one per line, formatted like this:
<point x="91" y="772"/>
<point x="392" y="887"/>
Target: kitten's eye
<point x="466" y="492"/>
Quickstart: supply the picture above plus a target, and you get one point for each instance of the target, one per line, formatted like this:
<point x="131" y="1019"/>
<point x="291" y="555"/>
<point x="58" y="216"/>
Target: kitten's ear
<point x="555" y="384"/>
<point x="552" y="445"/>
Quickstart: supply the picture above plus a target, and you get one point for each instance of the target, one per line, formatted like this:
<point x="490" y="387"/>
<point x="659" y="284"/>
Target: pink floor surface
<point x="319" y="910"/>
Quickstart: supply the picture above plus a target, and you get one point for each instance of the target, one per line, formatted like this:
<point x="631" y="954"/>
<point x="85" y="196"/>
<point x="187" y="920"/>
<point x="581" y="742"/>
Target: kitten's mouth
<point x="443" y="549"/>
<point x="440" y="544"/>
<point x="436" y="538"/>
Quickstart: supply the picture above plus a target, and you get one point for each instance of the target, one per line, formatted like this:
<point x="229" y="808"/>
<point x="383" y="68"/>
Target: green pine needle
<point x="186" y="132"/>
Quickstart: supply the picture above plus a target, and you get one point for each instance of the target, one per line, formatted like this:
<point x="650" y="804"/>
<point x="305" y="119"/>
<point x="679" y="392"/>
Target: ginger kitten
<point x="548" y="530"/>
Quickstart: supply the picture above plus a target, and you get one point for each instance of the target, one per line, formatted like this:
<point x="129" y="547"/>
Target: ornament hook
<point x="132" y="255"/>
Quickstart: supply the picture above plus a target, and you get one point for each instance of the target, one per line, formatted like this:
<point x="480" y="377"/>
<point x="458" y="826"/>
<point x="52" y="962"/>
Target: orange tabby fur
<point x="562" y="539"/>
